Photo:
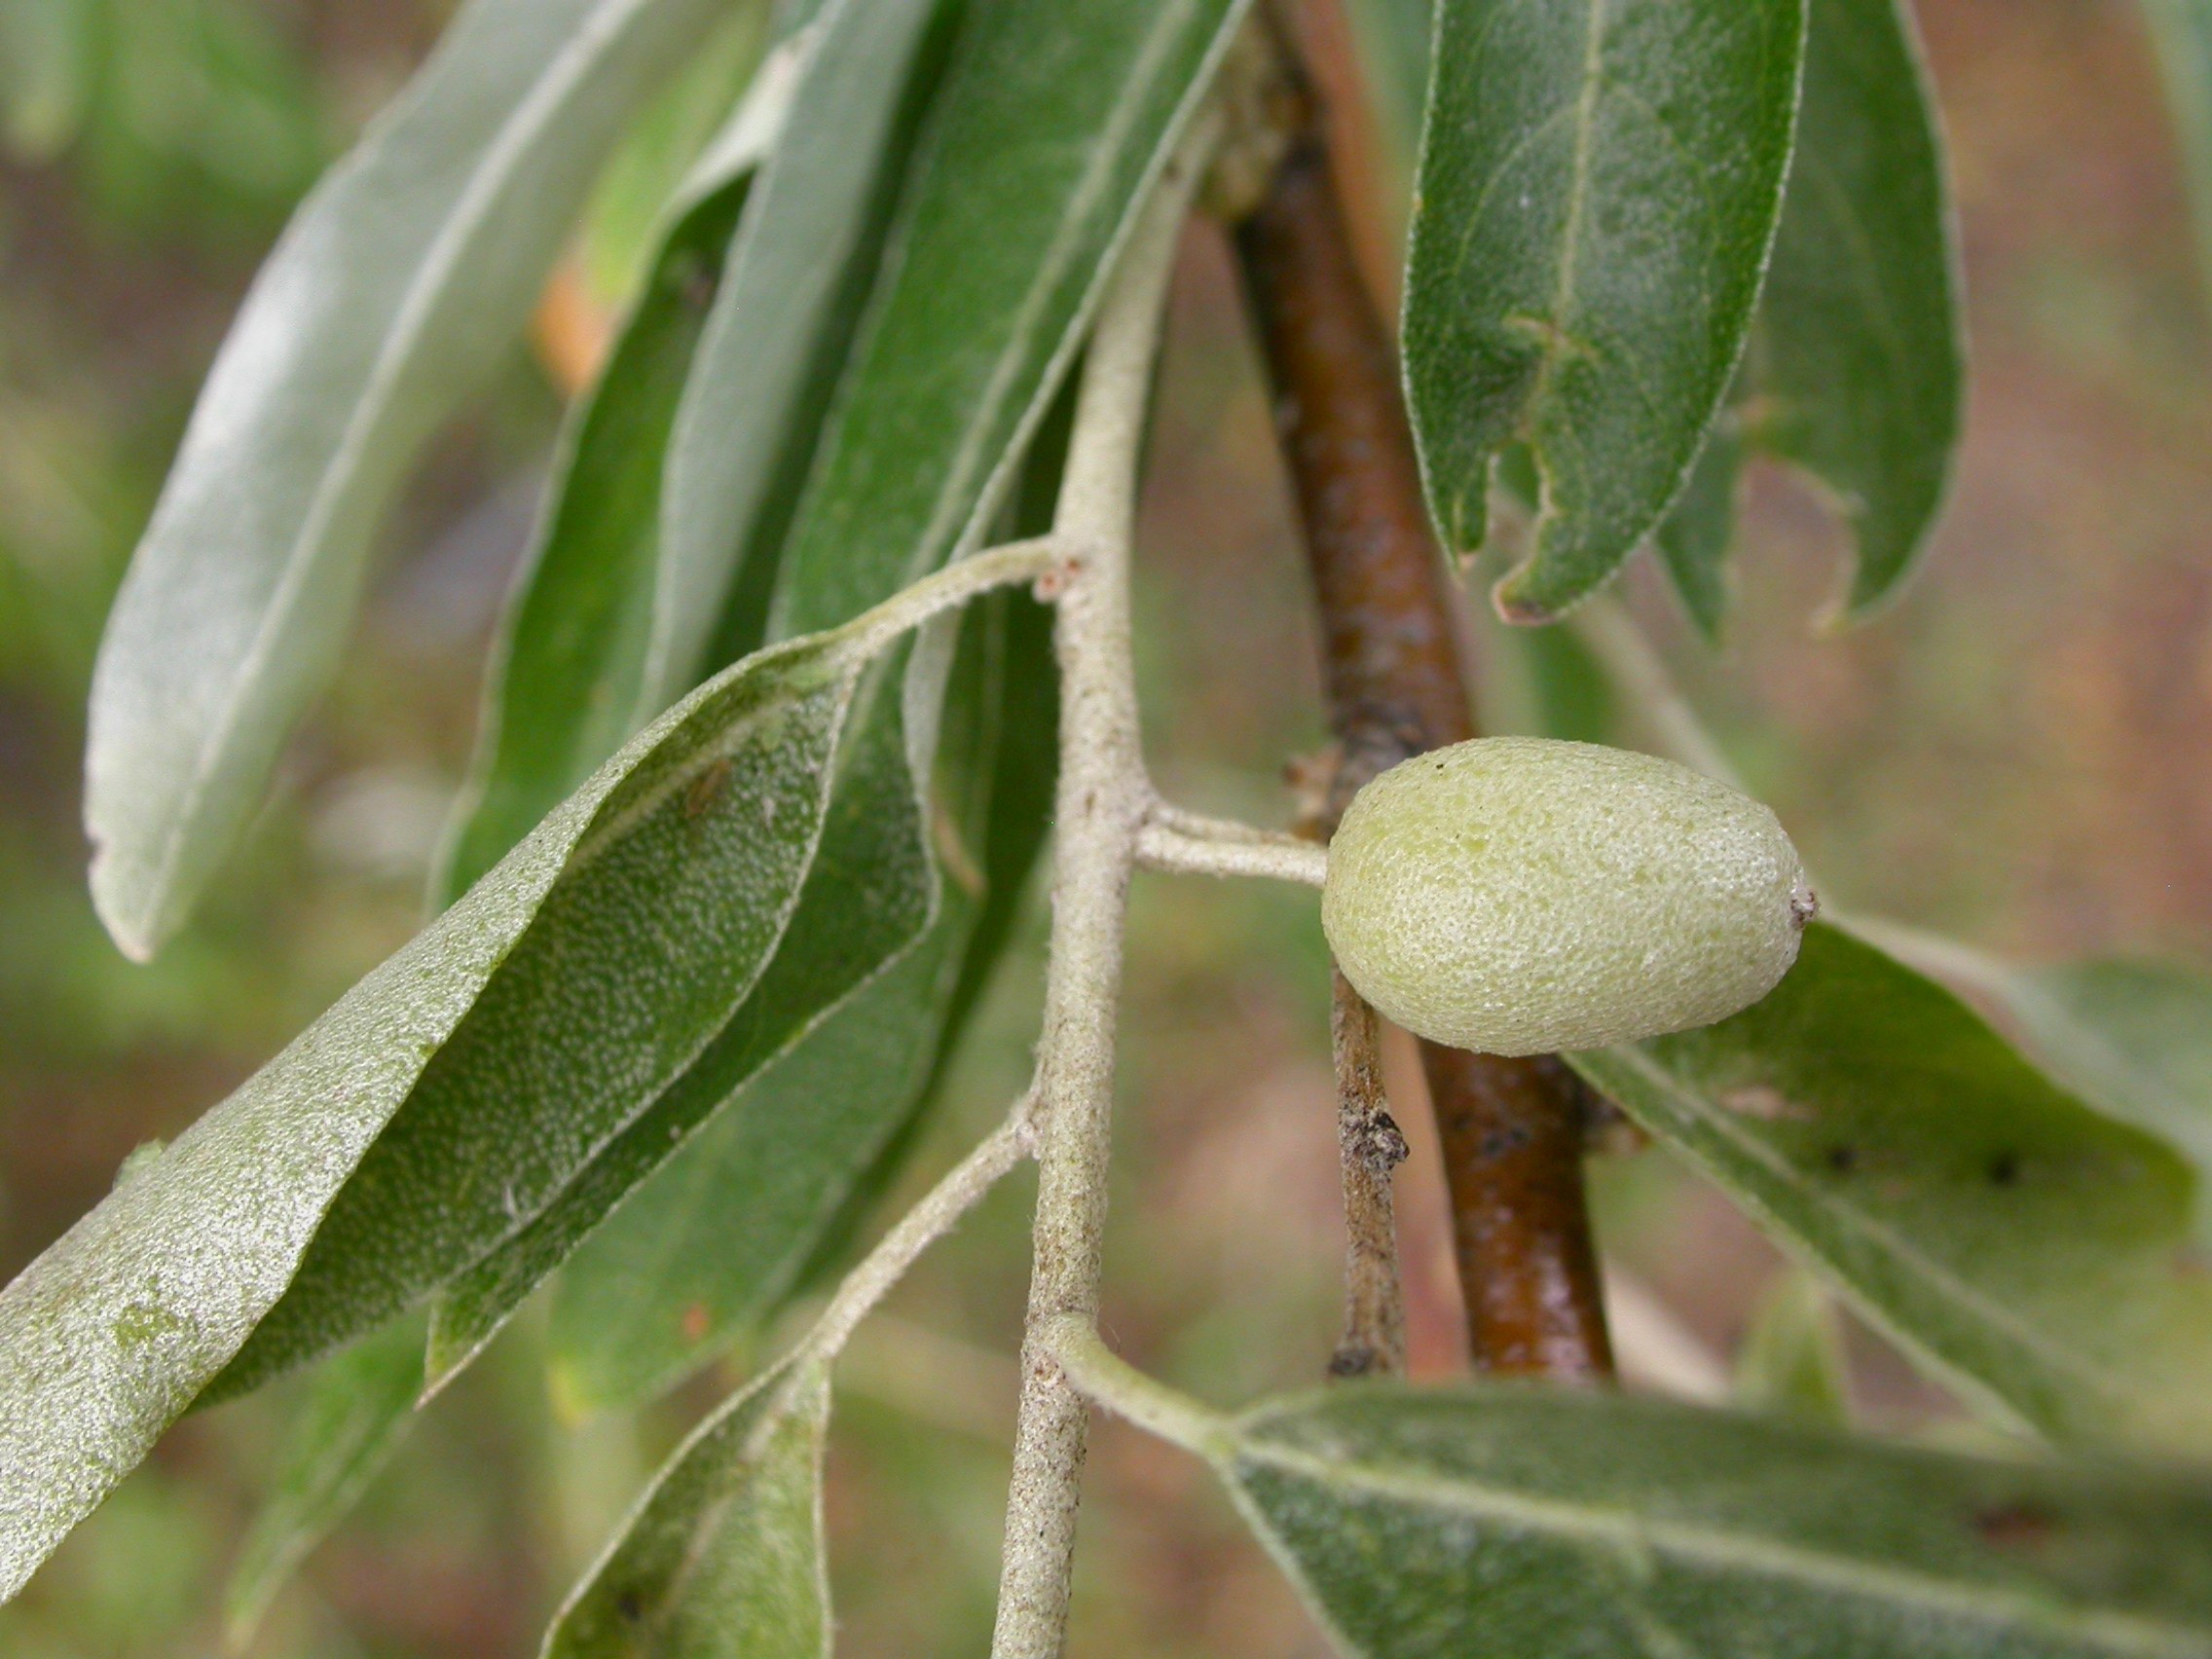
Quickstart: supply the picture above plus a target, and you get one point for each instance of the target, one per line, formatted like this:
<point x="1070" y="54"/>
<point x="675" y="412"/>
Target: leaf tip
<point x="1859" y="602"/>
<point x="1514" y="604"/>
<point x="446" y="1354"/>
<point x="137" y="923"/>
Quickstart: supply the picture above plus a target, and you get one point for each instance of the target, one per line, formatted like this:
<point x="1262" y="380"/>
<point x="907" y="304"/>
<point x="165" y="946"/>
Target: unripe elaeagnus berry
<point x="1518" y="896"/>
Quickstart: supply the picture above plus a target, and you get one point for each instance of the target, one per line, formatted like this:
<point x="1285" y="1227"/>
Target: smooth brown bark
<point x="1512" y="1129"/>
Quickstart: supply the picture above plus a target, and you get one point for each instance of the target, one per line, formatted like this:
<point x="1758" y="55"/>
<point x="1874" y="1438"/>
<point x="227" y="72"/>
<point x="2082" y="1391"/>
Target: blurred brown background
<point x="2019" y="752"/>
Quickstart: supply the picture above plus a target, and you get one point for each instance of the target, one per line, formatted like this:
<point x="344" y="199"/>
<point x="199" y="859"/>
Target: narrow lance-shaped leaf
<point x="723" y="1233"/>
<point x="2035" y="1253"/>
<point x="1045" y="137"/>
<point x="868" y="894"/>
<point x="1056" y="116"/>
<point x="671" y="154"/>
<point x="352" y="1419"/>
<point x="740" y="1219"/>
<point x="397" y="285"/>
<point x="1856" y="369"/>
<point x="1050" y="127"/>
<point x="723" y="1555"/>
<point x="1494" y="1522"/>
<point x="736" y="1224"/>
<point x="563" y="682"/>
<point x="1598" y="189"/>
<point x="781" y="318"/>
<point x="714" y="1240"/>
<point x="636" y="979"/>
<point x="711" y="417"/>
<point x="114" y="1331"/>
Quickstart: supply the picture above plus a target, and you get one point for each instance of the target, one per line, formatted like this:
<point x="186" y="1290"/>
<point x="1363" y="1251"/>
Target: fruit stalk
<point x="1512" y="1129"/>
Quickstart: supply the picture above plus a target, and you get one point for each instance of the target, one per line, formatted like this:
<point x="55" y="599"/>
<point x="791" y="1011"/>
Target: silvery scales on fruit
<point x="1525" y="896"/>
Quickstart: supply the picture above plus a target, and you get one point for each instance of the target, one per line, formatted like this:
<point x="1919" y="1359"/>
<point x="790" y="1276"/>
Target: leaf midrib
<point x="548" y="96"/>
<point x="1089" y="187"/>
<point x="1577" y="191"/>
<point x="1631" y="1538"/>
<point x="2027" y="1336"/>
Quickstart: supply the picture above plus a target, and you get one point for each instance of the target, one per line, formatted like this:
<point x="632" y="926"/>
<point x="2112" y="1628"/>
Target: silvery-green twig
<point x="1103" y="800"/>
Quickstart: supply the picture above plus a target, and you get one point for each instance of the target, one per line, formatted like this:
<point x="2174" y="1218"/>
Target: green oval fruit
<point x="1518" y="896"/>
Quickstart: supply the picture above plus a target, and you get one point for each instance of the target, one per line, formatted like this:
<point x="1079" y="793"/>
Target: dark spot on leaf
<point x="2005" y="1170"/>
<point x="693" y="280"/>
<point x="1843" y="1160"/>
<point x="630" y="1607"/>
<point x="2021" y="1526"/>
<point x="143" y="1323"/>
<point x="705" y="787"/>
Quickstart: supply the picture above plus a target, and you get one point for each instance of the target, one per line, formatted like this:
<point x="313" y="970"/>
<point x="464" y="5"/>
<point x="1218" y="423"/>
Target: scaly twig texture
<point x="1512" y="1131"/>
<point x="1374" y="1343"/>
<point x="1103" y="801"/>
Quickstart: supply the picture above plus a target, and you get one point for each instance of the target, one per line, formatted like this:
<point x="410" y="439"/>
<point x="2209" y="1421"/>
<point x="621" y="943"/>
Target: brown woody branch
<point x="1374" y="1341"/>
<point x="1512" y="1129"/>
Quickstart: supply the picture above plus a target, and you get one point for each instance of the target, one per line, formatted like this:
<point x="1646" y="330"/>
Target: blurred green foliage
<point x="2016" y="754"/>
<point x="172" y="115"/>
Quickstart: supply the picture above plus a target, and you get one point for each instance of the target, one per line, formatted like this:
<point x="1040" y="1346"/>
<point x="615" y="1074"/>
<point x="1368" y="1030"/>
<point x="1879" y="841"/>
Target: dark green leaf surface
<point x="873" y="890"/>
<point x="2136" y="1038"/>
<point x="561" y="691"/>
<point x="1599" y="185"/>
<point x="113" y="1331"/>
<point x="2035" y="1253"/>
<point x="723" y="1557"/>
<point x="635" y="963"/>
<point x="1501" y="1523"/>
<point x="355" y="1410"/>
<point x="2182" y="30"/>
<point x="1051" y="126"/>
<point x="529" y="1021"/>
<point x="868" y="893"/>
<point x="723" y="1233"/>
<point x="783" y="314"/>
<point x="1056" y="115"/>
<point x="406" y="273"/>
<point x="1856" y="368"/>
<point x="715" y="1240"/>
<point x="687" y="457"/>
